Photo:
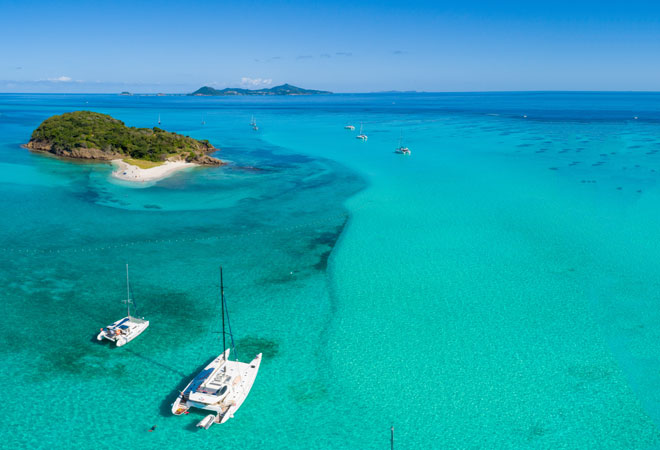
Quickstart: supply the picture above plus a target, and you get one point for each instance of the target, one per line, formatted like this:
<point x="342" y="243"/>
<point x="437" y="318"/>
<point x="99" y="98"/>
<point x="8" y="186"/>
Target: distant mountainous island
<point x="91" y="135"/>
<point x="284" y="89"/>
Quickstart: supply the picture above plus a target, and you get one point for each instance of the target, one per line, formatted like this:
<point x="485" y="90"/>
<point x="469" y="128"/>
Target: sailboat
<point x="349" y="127"/>
<point x="203" y="121"/>
<point x="401" y="149"/>
<point x="158" y="119"/>
<point x="223" y="385"/>
<point x="253" y="123"/>
<point x="361" y="135"/>
<point x="124" y="330"/>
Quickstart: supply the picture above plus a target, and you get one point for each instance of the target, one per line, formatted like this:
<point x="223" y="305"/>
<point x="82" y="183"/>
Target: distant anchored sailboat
<point x="253" y="124"/>
<point x="124" y="330"/>
<point x="158" y="119"/>
<point x="349" y="127"/>
<point x="223" y="385"/>
<point x="401" y="149"/>
<point x="361" y="135"/>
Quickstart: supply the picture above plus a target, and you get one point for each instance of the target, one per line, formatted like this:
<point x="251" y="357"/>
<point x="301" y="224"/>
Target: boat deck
<point x="222" y="389"/>
<point x="127" y="327"/>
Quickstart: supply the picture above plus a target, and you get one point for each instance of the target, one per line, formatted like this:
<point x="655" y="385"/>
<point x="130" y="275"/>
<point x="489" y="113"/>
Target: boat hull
<point x="242" y="376"/>
<point x="135" y="328"/>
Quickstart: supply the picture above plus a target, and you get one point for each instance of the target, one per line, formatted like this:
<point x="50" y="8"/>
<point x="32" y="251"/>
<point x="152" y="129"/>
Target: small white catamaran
<point x="222" y="386"/>
<point x="401" y="149"/>
<point x="361" y="135"/>
<point x="253" y="124"/>
<point x="124" y="330"/>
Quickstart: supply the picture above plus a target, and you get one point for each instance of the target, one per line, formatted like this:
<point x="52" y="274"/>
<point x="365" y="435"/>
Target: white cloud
<point x="61" y="79"/>
<point x="255" y="82"/>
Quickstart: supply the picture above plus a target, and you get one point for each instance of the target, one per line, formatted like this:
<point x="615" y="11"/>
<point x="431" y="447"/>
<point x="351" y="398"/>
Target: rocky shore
<point x="105" y="155"/>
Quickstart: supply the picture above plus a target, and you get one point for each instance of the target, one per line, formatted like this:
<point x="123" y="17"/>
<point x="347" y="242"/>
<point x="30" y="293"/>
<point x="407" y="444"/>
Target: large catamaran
<point x="223" y="385"/>
<point x="124" y="330"/>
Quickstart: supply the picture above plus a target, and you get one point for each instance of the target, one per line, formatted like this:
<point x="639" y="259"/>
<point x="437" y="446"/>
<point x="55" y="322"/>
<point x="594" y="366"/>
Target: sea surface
<point x="496" y="289"/>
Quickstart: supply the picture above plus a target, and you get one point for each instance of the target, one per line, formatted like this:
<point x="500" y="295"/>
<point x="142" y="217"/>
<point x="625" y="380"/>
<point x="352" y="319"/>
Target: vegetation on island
<point x="284" y="89"/>
<point x="91" y="135"/>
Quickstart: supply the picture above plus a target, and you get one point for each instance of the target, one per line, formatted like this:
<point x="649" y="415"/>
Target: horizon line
<point x="392" y="91"/>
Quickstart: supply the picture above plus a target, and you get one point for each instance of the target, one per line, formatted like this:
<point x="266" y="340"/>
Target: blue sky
<point x="341" y="46"/>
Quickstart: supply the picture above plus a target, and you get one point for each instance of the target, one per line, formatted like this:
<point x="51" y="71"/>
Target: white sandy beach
<point x="129" y="172"/>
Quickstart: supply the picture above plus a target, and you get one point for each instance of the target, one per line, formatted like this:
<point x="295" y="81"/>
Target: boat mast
<point x="128" y="293"/>
<point x="222" y="302"/>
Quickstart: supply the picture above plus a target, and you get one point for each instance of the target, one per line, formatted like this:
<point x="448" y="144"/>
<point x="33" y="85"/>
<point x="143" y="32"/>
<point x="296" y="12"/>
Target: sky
<point x="341" y="46"/>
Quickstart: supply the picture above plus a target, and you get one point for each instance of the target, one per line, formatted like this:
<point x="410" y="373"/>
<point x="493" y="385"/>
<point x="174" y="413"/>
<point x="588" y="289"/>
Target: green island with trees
<point x="91" y="135"/>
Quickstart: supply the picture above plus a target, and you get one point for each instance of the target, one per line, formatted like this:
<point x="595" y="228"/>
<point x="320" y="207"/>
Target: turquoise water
<point x="496" y="289"/>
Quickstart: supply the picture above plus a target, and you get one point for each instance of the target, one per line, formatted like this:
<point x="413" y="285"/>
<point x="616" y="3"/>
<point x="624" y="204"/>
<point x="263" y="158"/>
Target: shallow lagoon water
<point x="496" y="289"/>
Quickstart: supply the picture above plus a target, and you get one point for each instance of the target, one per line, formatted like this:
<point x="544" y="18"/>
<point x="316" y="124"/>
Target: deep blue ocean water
<point x="495" y="289"/>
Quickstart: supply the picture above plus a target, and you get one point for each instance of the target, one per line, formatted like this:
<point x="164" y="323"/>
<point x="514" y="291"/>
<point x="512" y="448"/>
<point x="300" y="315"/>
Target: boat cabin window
<point x="222" y="390"/>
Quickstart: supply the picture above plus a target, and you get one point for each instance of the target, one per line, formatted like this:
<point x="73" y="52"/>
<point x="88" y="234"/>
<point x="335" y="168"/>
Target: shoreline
<point x="128" y="172"/>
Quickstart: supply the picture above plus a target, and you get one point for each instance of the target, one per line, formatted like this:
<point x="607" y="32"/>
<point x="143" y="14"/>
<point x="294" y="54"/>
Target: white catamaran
<point x="222" y="386"/>
<point x="361" y="135"/>
<point x="401" y="149"/>
<point x="124" y="330"/>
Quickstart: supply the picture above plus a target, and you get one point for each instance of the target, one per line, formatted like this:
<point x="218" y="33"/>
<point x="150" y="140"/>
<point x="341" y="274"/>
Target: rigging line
<point x="130" y="301"/>
<point x="135" y="308"/>
<point x="231" y="335"/>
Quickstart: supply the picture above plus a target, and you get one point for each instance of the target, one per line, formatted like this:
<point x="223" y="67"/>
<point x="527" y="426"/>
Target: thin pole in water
<point x="392" y="437"/>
